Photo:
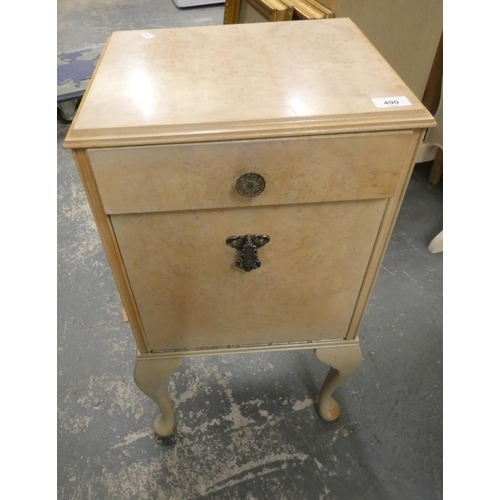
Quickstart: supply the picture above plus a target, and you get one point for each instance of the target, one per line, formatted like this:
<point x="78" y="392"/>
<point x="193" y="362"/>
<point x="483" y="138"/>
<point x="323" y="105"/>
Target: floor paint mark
<point x="131" y="438"/>
<point x="270" y="459"/>
<point x="300" y="405"/>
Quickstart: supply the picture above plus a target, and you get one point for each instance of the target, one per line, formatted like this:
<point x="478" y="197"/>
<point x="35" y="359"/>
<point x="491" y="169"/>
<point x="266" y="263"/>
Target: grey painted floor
<point x="247" y="424"/>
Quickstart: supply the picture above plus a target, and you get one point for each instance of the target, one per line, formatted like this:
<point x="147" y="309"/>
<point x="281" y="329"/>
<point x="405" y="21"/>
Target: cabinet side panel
<point x="385" y="231"/>
<point x="111" y="247"/>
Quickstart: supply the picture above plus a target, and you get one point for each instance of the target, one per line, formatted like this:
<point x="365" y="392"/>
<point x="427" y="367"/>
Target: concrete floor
<point x="247" y="424"/>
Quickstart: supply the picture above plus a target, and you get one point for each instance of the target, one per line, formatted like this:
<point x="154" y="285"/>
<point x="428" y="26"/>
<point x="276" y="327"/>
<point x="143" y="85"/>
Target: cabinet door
<point x="190" y="294"/>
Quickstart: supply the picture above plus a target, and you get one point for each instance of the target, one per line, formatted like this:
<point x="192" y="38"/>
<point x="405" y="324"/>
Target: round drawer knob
<point x="250" y="185"/>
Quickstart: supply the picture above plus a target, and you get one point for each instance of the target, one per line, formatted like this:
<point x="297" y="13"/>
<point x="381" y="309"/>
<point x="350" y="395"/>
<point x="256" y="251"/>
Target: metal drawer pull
<point x="248" y="245"/>
<point x="250" y="184"/>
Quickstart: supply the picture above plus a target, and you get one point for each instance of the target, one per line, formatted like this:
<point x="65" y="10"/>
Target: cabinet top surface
<point x="240" y="81"/>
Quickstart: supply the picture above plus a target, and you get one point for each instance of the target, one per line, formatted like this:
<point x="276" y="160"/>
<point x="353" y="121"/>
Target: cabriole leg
<point x="344" y="361"/>
<point x="151" y="375"/>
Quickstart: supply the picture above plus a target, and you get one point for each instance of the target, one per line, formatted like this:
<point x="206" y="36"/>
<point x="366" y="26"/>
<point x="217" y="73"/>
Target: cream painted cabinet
<point x="245" y="195"/>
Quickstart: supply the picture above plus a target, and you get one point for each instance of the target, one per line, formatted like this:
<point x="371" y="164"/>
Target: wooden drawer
<point x="203" y="176"/>
<point x="190" y="294"/>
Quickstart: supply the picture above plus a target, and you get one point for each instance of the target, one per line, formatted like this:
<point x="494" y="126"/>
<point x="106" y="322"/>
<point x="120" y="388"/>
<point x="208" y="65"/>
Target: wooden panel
<point x="405" y="32"/>
<point x="433" y="89"/>
<point x="240" y="81"/>
<point x="190" y="294"/>
<point x="111" y="247"/>
<point x="388" y="221"/>
<point x="164" y="178"/>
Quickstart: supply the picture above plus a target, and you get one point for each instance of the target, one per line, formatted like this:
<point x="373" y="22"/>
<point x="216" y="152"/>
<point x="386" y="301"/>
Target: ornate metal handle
<point x="250" y="184"/>
<point x="248" y="245"/>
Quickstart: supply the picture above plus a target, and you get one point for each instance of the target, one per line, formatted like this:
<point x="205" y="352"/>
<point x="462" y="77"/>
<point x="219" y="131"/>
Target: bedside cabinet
<point x="245" y="180"/>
